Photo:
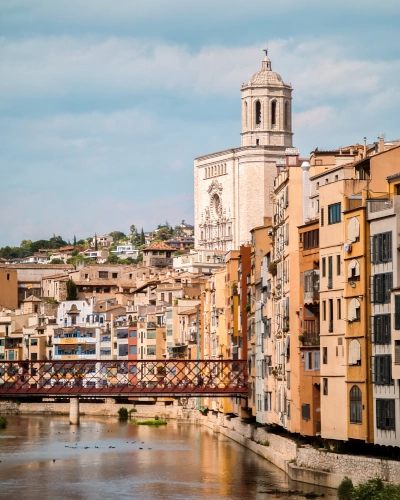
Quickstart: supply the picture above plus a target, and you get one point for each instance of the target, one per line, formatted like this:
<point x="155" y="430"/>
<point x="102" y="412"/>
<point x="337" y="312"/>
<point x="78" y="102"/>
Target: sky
<point x="104" y="105"/>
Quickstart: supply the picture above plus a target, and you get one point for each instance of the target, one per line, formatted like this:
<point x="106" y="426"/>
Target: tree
<point x="139" y="258"/>
<point x="142" y="238"/>
<point x="75" y="252"/>
<point x="112" y="259"/>
<point x="133" y="229"/>
<point x="164" y="233"/>
<point x="95" y="243"/>
<point x="74" y="241"/>
<point x="178" y="232"/>
<point x="56" y="261"/>
<point x="117" y="235"/>
<point x="72" y="293"/>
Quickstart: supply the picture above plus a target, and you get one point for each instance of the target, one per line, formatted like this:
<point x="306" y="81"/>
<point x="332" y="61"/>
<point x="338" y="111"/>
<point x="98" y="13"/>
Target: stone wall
<point x="359" y="468"/>
<point x="105" y="409"/>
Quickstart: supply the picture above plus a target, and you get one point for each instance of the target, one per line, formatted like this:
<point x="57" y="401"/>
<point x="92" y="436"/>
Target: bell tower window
<point x="273" y="113"/>
<point x="286" y="114"/>
<point x="258" y="113"/>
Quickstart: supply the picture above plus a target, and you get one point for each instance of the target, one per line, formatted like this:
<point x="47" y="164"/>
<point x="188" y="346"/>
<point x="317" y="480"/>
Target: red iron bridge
<point x="109" y="378"/>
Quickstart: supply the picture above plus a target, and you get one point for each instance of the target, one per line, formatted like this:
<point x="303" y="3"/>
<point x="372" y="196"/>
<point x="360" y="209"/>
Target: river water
<point x="43" y="457"/>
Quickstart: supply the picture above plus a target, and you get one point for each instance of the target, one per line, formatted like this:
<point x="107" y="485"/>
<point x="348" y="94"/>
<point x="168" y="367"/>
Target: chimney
<point x="292" y="156"/>
<point x="381" y="144"/>
<point x="365" y="147"/>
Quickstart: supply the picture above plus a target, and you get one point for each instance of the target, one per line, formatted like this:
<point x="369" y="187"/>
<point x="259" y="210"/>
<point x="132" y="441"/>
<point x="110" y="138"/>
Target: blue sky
<point x="104" y="105"/>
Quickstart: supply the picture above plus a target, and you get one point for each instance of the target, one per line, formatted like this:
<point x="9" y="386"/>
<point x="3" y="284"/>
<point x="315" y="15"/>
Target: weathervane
<point x="266" y="52"/>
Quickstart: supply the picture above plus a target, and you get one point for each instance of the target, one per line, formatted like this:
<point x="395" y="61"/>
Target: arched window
<point x="258" y="112"/>
<point x="354" y="353"/>
<point x="355" y="405"/>
<point x="286" y="114"/>
<point x="273" y="113"/>
<point x="245" y="114"/>
<point x="353" y="311"/>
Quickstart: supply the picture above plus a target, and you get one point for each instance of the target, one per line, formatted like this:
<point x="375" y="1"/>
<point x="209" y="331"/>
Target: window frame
<point x="356" y="406"/>
<point x="334" y="213"/>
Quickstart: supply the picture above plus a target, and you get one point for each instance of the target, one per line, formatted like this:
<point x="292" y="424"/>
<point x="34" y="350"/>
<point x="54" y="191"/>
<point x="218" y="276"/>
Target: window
<point x="305" y="412"/>
<point x="132" y="349"/>
<point x="323" y="267"/>
<point x="123" y="350"/>
<point x="311" y="239"/>
<point x="317" y="363"/>
<point x="324" y="310"/>
<point x="381" y="329"/>
<point x="151" y="350"/>
<point x="34" y="341"/>
<point x="338" y="270"/>
<point x="353" y="271"/>
<point x="355" y="405"/>
<point x="397" y="312"/>
<point x="258" y="112"/>
<point x="34" y="356"/>
<point x="353" y="311"/>
<point x="308" y="364"/>
<point x="288" y="379"/>
<point x="334" y="213"/>
<point x="325" y="386"/>
<point x="339" y="308"/>
<point x="382" y="283"/>
<point x="114" y="275"/>
<point x="133" y="334"/>
<point x="151" y="334"/>
<point x="103" y="275"/>
<point x="354" y="353"/>
<point x="322" y="217"/>
<point x="330" y="284"/>
<point x="330" y="326"/>
<point x="382" y="370"/>
<point x="385" y="414"/>
<point x="325" y="355"/>
<point x="381" y="247"/>
<point x="273" y="113"/>
<point x="286" y="114"/>
<point x="8" y="276"/>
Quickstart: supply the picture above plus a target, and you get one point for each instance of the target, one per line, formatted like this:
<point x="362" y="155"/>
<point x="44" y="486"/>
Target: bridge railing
<point x="123" y="377"/>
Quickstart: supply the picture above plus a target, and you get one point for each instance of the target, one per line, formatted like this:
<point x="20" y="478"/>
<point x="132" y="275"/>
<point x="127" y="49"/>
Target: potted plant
<point x="302" y="338"/>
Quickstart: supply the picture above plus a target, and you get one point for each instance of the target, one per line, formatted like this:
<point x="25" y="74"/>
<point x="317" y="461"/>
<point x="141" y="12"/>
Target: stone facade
<point x="232" y="188"/>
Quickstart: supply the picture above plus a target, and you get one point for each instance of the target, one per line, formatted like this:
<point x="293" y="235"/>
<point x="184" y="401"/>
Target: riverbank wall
<point x="302" y="463"/>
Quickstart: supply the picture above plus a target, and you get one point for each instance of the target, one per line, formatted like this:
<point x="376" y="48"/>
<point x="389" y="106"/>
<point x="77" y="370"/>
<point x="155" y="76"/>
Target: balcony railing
<point x="311" y="338"/>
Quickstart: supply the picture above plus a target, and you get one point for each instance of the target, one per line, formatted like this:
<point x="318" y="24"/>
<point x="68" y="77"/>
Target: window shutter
<point x="397" y="312"/>
<point x="354" y="352"/>
<point x="322" y="216"/>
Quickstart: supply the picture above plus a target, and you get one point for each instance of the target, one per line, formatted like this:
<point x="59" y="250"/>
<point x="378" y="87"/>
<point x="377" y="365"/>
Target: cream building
<point x="232" y="188"/>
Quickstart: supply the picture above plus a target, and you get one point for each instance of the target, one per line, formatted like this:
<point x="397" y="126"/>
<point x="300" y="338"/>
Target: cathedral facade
<point x="233" y="188"/>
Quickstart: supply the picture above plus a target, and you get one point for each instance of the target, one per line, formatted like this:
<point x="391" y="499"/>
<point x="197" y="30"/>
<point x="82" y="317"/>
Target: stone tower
<point x="232" y="188"/>
<point x="266" y="109"/>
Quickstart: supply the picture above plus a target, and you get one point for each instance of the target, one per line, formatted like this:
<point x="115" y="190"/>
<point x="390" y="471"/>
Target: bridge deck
<point x="105" y="378"/>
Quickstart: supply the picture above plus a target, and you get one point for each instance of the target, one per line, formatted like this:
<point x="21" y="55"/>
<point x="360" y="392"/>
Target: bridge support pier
<point x="74" y="411"/>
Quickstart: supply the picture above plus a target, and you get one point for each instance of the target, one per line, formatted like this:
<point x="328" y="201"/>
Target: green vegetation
<point x="123" y="413"/>
<point x="132" y="410"/>
<point x="372" y="489"/>
<point x="3" y="422"/>
<point x="56" y="261"/>
<point x="265" y="443"/>
<point x="72" y="293"/>
<point x="154" y="422"/>
<point x="28" y="247"/>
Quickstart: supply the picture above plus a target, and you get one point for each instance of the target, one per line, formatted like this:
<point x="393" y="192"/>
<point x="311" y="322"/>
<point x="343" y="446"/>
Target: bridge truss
<point x="113" y="378"/>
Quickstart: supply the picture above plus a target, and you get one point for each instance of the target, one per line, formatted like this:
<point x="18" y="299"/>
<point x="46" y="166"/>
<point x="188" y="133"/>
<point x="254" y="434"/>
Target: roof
<point x="188" y="312"/>
<point x="159" y="245"/>
<point x="32" y="298"/>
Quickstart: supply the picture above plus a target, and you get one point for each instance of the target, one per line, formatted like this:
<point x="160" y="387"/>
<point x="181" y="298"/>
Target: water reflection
<point x="45" y="457"/>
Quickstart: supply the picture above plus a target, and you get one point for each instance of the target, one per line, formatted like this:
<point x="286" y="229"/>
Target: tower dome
<point x="266" y="76"/>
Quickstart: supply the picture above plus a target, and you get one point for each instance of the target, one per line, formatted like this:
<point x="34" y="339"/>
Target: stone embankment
<point x="305" y="463"/>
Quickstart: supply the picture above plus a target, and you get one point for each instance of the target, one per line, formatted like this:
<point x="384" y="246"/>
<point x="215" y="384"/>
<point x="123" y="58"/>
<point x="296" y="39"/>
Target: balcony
<point x="73" y="340"/>
<point x="311" y="339"/>
<point x="74" y="356"/>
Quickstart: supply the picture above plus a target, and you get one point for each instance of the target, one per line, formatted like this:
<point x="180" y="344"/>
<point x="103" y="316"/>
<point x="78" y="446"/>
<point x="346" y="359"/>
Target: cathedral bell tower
<point x="266" y="109"/>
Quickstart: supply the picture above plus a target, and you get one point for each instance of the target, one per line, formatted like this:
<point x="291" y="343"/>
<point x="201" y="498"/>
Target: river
<point x="43" y="457"/>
